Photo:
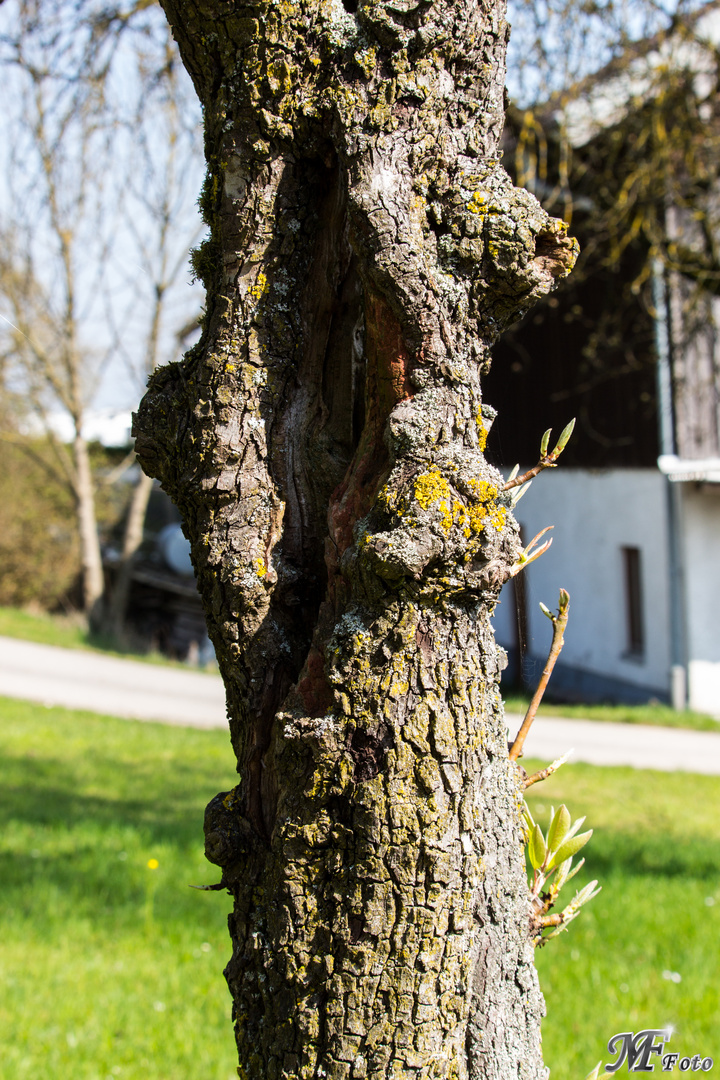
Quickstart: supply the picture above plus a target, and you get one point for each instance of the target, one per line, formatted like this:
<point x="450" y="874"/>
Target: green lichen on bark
<point x="324" y="443"/>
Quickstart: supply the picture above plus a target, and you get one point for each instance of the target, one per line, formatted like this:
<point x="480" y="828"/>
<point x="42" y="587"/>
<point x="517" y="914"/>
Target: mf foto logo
<point x="643" y="1050"/>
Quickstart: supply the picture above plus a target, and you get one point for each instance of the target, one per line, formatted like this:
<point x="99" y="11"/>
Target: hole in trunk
<point x="367" y="749"/>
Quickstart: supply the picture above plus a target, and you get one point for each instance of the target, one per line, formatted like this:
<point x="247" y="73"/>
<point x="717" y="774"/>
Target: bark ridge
<point x="324" y="443"/>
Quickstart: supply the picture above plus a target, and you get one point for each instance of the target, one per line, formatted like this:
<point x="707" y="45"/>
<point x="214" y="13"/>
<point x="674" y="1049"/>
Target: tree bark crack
<point x="324" y="443"/>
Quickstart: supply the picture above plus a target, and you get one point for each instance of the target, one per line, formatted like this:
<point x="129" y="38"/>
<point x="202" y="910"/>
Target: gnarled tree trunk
<point x="324" y="443"/>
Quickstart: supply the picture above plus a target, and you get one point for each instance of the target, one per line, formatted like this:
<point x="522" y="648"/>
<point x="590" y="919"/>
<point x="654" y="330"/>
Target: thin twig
<point x="551" y="920"/>
<point x="528" y="555"/>
<point x="547" y="461"/>
<point x="559" y="622"/>
<point x="543" y="774"/>
<point x="544" y="463"/>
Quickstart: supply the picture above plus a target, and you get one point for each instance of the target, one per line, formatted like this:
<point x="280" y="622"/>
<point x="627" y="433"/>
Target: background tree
<point x="324" y="443"/>
<point x="38" y="549"/>
<point x="161" y="187"/>
<point x="57" y="137"/>
<point x="100" y="170"/>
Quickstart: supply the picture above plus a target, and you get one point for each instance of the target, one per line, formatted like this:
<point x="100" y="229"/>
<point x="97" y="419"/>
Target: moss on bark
<point x="325" y="445"/>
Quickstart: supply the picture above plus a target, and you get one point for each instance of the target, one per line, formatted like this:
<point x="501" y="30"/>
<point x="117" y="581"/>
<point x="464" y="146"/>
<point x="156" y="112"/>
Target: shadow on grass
<point x="85" y="854"/>
<point x="47" y="792"/>
<point x="50" y="807"/>
<point x="92" y="885"/>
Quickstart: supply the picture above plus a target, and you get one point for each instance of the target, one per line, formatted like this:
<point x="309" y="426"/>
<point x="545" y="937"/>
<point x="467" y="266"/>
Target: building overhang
<point x="684" y="470"/>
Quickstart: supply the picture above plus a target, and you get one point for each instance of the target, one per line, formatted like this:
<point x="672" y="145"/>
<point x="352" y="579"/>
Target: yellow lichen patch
<point x="229" y="800"/>
<point x="430" y="487"/>
<point x="367" y="60"/>
<point x="461" y="518"/>
<point x="446" y="517"/>
<point x="393" y="502"/>
<point x="477" y="203"/>
<point x="260" y="287"/>
<point x="497" y="516"/>
<point x="482" y="431"/>
<point x="280" y="77"/>
<point x="260" y="567"/>
<point x="487" y="508"/>
<point x="483" y="490"/>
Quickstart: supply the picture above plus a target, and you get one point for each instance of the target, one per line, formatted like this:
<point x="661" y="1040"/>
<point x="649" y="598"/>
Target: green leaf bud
<point x="544" y="443"/>
<point x="537" y="848"/>
<point x="564" y="438"/>
<point x="569" y="847"/>
<point x="559" y="827"/>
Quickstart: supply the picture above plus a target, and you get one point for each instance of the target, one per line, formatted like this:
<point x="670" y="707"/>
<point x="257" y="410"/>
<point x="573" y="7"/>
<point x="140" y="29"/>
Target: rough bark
<point x="324" y="444"/>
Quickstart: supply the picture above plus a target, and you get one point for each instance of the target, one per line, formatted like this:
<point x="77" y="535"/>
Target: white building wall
<point x="701" y="541"/>
<point x="595" y="514"/>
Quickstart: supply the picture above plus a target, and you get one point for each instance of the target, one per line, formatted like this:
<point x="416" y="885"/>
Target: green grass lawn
<point x="112" y="969"/>
<point x="45" y="629"/>
<point x="656" y="853"/>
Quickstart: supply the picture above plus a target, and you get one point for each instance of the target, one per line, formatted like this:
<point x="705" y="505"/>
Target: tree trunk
<point x="324" y="444"/>
<point x="132" y="539"/>
<point x="90" y="555"/>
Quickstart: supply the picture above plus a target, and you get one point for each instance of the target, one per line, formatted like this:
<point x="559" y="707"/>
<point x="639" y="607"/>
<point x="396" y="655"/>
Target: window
<point x="633" y="602"/>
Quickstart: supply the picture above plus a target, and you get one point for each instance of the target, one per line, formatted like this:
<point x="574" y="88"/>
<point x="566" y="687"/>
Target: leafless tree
<point x="98" y="176"/>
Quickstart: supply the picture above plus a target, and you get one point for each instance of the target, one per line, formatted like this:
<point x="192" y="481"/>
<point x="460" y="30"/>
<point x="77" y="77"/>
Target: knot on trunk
<point x="159" y="424"/>
<point x="229" y="837"/>
<point x="445" y="525"/>
<point x="499" y="242"/>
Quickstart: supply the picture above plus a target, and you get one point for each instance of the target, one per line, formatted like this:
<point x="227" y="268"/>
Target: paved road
<point x="134" y="690"/>
<point x="106" y="684"/>
<point x="644" y="747"/>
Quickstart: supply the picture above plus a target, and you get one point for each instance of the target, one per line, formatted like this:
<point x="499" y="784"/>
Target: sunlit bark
<point x="324" y="443"/>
